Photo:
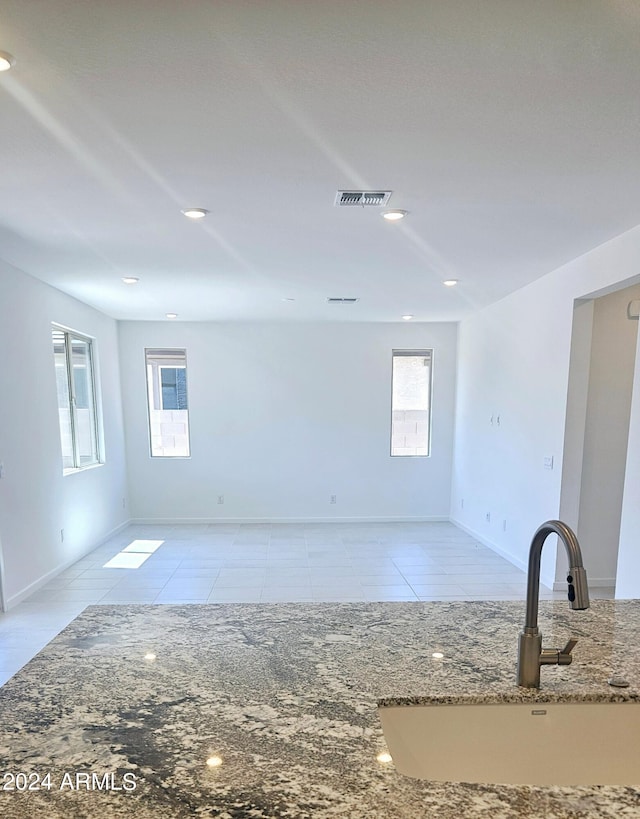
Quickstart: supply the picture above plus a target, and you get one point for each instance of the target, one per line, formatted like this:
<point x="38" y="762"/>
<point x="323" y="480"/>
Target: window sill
<point x="169" y="457"/>
<point x="75" y="469"/>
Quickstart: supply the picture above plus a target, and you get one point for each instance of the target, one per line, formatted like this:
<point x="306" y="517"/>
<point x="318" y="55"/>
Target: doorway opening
<point x="601" y="373"/>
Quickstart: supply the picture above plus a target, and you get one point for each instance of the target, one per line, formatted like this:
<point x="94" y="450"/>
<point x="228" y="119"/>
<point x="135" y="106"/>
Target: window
<point x="75" y="382"/>
<point x="168" y="404"/>
<point x="411" y="402"/>
<point x="173" y="388"/>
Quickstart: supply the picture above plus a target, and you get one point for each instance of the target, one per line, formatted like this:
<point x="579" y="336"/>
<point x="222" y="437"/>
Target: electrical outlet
<point x="124" y="503"/>
<point x="462" y="503"/>
<point x="61" y="535"/>
<point x="220" y="499"/>
<point x="1" y="470"/>
<point x="333" y="499"/>
<point x="504" y="525"/>
<point x="488" y="517"/>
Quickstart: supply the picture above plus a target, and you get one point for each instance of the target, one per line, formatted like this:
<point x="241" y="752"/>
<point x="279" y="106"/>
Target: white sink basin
<point x="572" y="743"/>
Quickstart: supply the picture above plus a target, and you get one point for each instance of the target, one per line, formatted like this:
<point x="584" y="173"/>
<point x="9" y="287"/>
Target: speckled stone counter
<point x="285" y="697"/>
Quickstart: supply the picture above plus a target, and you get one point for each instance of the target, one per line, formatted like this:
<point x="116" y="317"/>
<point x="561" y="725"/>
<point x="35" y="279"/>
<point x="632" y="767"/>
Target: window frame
<point x="423" y="352"/>
<point x="155" y="385"/>
<point x="97" y="455"/>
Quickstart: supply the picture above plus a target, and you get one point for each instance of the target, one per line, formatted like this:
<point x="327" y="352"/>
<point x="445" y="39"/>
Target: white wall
<point x="576" y="414"/>
<point x="284" y="415"/>
<point x="628" y="574"/>
<point x="608" y="407"/>
<point x="36" y="500"/>
<point x="513" y="361"/>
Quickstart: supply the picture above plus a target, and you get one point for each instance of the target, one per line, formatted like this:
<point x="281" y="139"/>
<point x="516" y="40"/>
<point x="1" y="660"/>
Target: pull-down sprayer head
<point x="578" y="589"/>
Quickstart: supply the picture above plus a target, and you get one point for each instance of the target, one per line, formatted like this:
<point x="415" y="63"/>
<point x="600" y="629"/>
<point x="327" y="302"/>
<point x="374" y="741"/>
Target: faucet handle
<point x="558" y="656"/>
<point x="564" y="655"/>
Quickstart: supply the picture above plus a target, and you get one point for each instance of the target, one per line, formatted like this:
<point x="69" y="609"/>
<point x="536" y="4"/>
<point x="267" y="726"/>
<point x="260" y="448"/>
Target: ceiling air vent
<point x="341" y="301"/>
<point x="376" y="199"/>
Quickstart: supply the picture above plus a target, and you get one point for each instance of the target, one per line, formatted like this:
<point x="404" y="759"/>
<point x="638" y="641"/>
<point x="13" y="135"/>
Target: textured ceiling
<point x="508" y="129"/>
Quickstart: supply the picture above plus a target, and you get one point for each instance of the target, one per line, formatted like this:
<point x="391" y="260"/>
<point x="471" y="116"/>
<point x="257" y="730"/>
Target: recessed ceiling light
<point x="195" y="213"/>
<point x="450" y="282"/>
<point x="130" y="279"/>
<point x="407" y="318"/>
<point x="150" y="656"/>
<point x="394" y="215"/>
<point x="171" y="315"/>
<point x="437" y="655"/>
<point x="214" y="761"/>
<point x="385" y="757"/>
<point x="6" y="61"/>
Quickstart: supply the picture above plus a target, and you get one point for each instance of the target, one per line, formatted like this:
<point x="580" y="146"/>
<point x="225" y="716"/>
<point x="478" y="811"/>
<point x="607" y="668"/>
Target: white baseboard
<point x="556" y="585"/>
<point x="520" y="564"/>
<point x="192" y="521"/>
<point x="593" y="583"/>
<point x="23" y="594"/>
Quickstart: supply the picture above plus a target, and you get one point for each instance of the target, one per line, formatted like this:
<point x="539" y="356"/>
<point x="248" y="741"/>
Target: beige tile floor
<point x="267" y="563"/>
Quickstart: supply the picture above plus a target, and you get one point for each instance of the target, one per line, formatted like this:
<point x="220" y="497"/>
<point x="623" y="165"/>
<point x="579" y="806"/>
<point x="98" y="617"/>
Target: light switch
<point x="1" y="470"/>
<point x="548" y="461"/>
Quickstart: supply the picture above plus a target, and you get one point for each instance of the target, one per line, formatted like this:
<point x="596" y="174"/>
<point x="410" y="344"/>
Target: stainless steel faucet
<point x="531" y="655"/>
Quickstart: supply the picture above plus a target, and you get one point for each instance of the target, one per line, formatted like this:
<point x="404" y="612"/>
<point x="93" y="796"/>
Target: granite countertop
<point x="124" y="708"/>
